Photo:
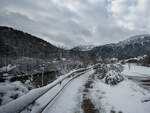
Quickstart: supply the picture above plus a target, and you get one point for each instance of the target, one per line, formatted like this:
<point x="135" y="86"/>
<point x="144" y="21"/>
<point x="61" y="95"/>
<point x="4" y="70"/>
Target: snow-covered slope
<point x="138" y="45"/>
<point x="134" y="46"/>
<point x="138" y="39"/>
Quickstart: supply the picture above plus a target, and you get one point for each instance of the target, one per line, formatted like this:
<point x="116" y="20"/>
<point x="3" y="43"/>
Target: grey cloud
<point x="72" y="22"/>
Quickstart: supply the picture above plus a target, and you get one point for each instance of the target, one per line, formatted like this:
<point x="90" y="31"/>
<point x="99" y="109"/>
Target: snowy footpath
<point x="68" y="100"/>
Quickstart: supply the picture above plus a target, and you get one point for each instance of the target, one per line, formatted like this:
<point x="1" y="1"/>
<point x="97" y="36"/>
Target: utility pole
<point x="42" y="75"/>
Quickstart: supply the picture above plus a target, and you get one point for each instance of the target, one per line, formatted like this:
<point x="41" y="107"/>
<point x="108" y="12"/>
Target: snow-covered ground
<point x="139" y="74"/>
<point x="10" y="91"/>
<point x="135" y="70"/>
<point x="125" y="97"/>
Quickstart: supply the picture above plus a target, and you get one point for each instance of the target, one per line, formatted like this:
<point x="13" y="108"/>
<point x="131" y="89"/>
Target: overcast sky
<point x="77" y="22"/>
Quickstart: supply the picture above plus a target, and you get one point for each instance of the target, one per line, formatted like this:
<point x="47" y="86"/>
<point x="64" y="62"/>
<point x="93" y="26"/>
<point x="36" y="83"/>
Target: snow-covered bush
<point x="112" y="77"/>
<point x="109" y="73"/>
<point x="10" y="91"/>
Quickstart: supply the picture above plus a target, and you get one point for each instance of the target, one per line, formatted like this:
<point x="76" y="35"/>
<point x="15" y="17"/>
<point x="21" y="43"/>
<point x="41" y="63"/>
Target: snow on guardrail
<point x="19" y="104"/>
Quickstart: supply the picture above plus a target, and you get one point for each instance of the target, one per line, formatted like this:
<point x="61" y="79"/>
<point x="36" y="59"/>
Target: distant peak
<point x="84" y="47"/>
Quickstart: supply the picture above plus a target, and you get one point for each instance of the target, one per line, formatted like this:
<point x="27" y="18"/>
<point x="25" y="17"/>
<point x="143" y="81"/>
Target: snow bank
<point x="126" y="97"/>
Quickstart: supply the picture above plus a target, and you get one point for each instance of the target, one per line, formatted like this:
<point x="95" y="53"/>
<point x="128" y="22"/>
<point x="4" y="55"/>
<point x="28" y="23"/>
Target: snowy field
<point x="135" y="70"/>
<point x="138" y="74"/>
<point x="125" y="97"/>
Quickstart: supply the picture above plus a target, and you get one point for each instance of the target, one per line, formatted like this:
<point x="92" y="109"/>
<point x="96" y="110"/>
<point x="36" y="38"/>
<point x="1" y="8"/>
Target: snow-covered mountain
<point x="138" y="45"/>
<point x="134" y="46"/>
<point x="83" y="48"/>
<point x="15" y="43"/>
<point x="138" y="39"/>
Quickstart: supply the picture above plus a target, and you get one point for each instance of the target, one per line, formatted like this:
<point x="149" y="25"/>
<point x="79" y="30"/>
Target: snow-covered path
<point x="67" y="100"/>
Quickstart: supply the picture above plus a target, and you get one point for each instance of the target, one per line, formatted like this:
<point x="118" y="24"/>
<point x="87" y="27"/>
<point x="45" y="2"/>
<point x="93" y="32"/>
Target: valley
<point x="43" y="78"/>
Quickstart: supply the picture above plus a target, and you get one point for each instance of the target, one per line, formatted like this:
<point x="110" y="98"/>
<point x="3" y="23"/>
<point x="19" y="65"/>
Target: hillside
<point x="14" y="43"/>
<point x="29" y="52"/>
<point x="138" y="45"/>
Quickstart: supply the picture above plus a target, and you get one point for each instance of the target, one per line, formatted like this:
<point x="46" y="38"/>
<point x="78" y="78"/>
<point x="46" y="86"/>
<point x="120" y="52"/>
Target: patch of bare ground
<point x="87" y="105"/>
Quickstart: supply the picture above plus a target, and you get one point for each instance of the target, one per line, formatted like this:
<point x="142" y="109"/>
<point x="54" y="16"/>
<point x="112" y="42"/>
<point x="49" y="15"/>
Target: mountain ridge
<point x="15" y="44"/>
<point x="83" y="47"/>
<point x="134" y="46"/>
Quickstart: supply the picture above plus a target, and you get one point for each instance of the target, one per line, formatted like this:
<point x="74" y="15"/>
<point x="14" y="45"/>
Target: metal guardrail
<point x="30" y="99"/>
<point x="60" y="91"/>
